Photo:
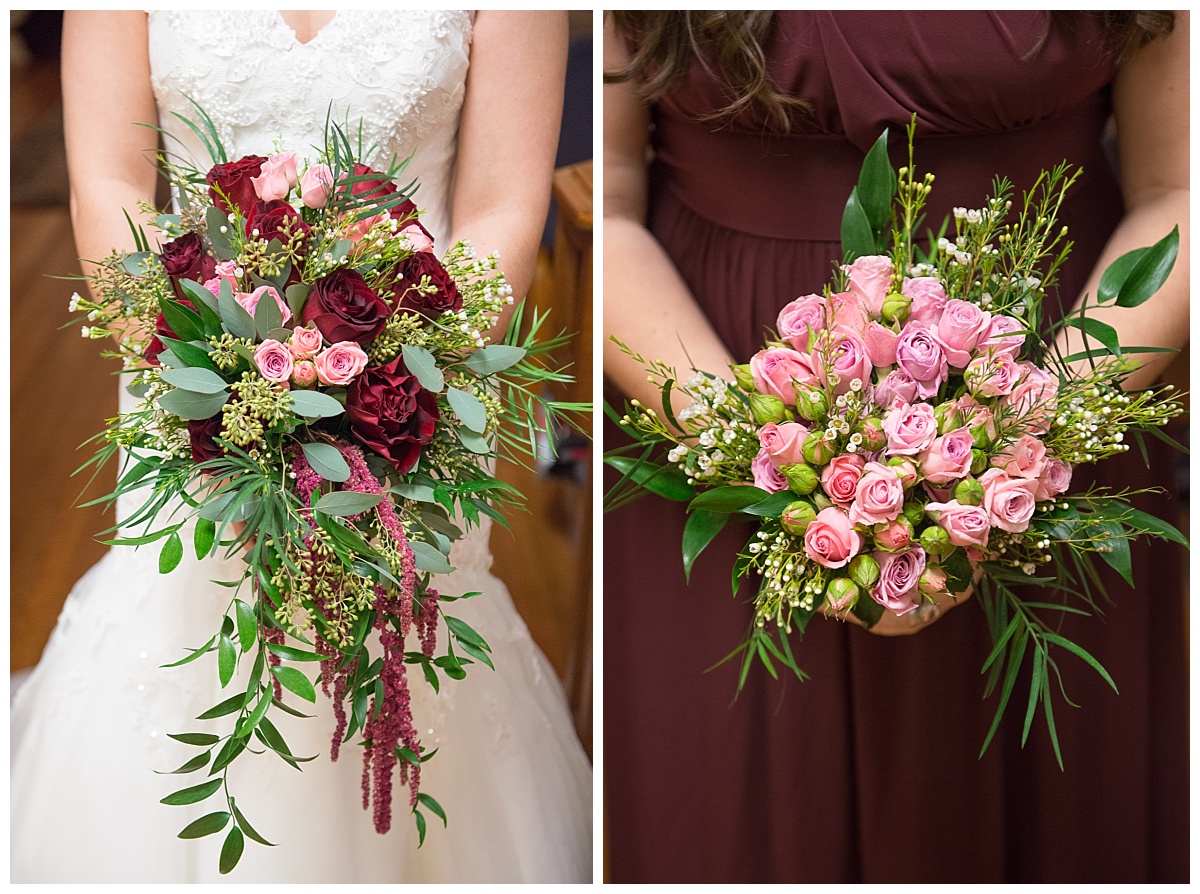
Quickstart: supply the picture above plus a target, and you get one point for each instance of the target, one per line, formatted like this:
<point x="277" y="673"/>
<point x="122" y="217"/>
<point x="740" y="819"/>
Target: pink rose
<point x="928" y="299"/>
<point x="895" y="536"/>
<point x="840" y="477"/>
<point x="418" y="238"/>
<point x="1024" y="458"/>
<point x="224" y="273"/>
<point x="899" y="575"/>
<point x="1009" y="501"/>
<point x="304" y="373"/>
<point x="783" y="442"/>
<point x="316" y="185"/>
<point x="906" y="469"/>
<point x="766" y="475"/>
<point x="340" y="363"/>
<point x="276" y="178"/>
<point x="960" y="329"/>
<point x="776" y="370"/>
<point x="966" y="525"/>
<point x="948" y="457"/>
<point x="879" y="496"/>
<point x="800" y="318"/>
<point x="1054" y="480"/>
<point x="992" y="375"/>
<point x="249" y="300"/>
<point x="920" y="355"/>
<point x="305" y="343"/>
<point x="910" y="428"/>
<point x="274" y="361"/>
<point x="870" y="277"/>
<point x="974" y="414"/>
<point x="999" y="337"/>
<point x="847" y="357"/>
<point x="1034" y="398"/>
<point x="881" y="344"/>
<point x="896" y="384"/>
<point x="831" y="540"/>
<point x="933" y="581"/>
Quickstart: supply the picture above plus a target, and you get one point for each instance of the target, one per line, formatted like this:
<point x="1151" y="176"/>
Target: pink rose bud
<point x="800" y="318"/>
<point x="784" y="442"/>
<point x="831" y="540"/>
<point x="842" y="358"/>
<point x="767" y="408"/>
<point x="992" y="375"/>
<point x="274" y="361"/>
<point x="811" y="404"/>
<point x="305" y="343"/>
<point x="933" y="581"/>
<point x="964" y="525"/>
<point x="276" y="178"/>
<point x="817" y="449"/>
<point x="881" y="344"/>
<point x="417" y="238"/>
<point x="1005" y="335"/>
<point x="895" y="535"/>
<point x="1034" y="398"/>
<point x="870" y="277"/>
<point x="1009" y="502"/>
<point x="304" y="373"/>
<point x="864" y="570"/>
<point x="906" y="468"/>
<point x="340" y="363"/>
<point x="873" y="435"/>
<point x="316" y="185"/>
<point x="841" y="594"/>
<point x="225" y="273"/>
<point x="249" y="300"/>
<point x="766" y="475"/>
<point x="796" y="517"/>
<point x="801" y="478"/>
<point x="1054" y="479"/>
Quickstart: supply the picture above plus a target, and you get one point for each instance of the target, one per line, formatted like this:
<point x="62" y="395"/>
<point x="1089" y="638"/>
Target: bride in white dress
<point x="475" y="99"/>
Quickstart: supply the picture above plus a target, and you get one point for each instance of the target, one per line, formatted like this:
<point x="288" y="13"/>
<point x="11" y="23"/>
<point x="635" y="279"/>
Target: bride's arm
<point x="110" y="159"/>
<point x="646" y="302"/>
<point x="508" y="136"/>
<point x="1150" y="98"/>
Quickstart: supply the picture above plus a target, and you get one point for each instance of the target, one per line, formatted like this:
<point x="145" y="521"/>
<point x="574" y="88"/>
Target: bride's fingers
<point x="914" y="621"/>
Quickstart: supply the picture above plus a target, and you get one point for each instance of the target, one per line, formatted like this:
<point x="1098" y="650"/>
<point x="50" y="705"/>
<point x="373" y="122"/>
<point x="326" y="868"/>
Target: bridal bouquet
<point x="317" y="395"/>
<point x="914" y="427"/>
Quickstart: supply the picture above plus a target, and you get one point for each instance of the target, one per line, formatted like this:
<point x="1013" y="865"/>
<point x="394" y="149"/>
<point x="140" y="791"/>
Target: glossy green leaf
<point x="201" y="739"/>
<point x="419" y="818"/>
<point x="858" y="240"/>
<point x="247" y="624"/>
<point x="421" y="363"/>
<point x="251" y="720"/>
<point x="1101" y="332"/>
<point x="192" y="656"/>
<point x="1115" y="549"/>
<point x="206" y="305"/>
<point x="731" y="498"/>
<point x="1143" y="521"/>
<point x="291" y="653"/>
<point x="191" y="355"/>
<point x="193" y="794"/>
<point x="702" y="526"/>
<point x="183" y="321"/>
<point x="294" y="681"/>
<point x="231" y="704"/>
<point x="468" y="408"/>
<point x="206" y="825"/>
<point x="228" y="753"/>
<point x="191" y="405"/>
<point x="495" y="358"/>
<point x="315" y="404"/>
<point x="245" y="826"/>
<point x="327" y="461"/>
<point x="877" y="184"/>
<point x="666" y="481"/>
<point x="199" y="762"/>
<point x="203" y="536"/>
<point x="1082" y="653"/>
<point x="171" y="554"/>
<point x="226" y="659"/>
<point x="231" y="850"/>
<point x="436" y="808"/>
<point x="341" y="504"/>
<point x="772" y="506"/>
<point x="1137" y="275"/>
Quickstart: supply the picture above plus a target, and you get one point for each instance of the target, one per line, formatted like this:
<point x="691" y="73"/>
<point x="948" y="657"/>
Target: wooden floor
<point x="62" y="393"/>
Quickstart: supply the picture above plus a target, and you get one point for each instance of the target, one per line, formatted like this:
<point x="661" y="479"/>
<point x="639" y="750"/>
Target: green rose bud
<point x="873" y="435"/>
<point x="796" y="517"/>
<point x="914" y="514"/>
<point x="905" y="468"/>
<point x="979" y="461"/>
<point x="969" y="492"/>
<point x="743" y="376"/>
<point x="864" y="570"/>
<point x="811" y="403"/>
<point x="766" y="408"/>
<point x="935" y="541"/>
<point x="947" y="417"/>
<point x="896" y="307"/>
<point x="821" y="501"/>
<point x="979" y="434"/>
<point x="841" y="594"/>
<point x="801" y="478"/>
<point x="817" y="450"/>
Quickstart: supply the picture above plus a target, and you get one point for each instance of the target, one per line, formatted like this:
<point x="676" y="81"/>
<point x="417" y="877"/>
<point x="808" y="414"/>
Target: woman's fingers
<point x="914" y="621"/>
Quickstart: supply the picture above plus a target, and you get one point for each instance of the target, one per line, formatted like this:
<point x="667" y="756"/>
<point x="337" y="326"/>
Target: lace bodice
<point x="402" y="75"/>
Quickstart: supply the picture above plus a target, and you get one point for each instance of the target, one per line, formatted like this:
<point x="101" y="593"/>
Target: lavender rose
<point x="920" y="355"/>
<point x="948" y="457"/>
<point x="899" y="575"/>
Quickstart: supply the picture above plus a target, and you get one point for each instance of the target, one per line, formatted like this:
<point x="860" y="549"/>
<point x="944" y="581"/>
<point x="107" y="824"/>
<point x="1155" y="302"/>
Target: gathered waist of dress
<point x="795" y="186"/>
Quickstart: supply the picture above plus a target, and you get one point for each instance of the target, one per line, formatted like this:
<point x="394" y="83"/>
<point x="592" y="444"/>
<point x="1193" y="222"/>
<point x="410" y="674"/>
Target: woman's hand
<point x="927" y="613"/>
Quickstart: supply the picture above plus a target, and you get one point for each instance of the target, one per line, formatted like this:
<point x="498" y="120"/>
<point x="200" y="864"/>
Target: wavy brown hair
<point x="729" y="43"/>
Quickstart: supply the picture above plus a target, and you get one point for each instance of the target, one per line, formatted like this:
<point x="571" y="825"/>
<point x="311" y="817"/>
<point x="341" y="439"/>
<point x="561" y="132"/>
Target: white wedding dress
<point x="89" y="727"/>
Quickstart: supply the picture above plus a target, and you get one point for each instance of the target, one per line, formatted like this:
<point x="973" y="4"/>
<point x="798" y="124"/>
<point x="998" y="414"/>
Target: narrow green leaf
<point x="199" y="762"/>
<point x="327" y="461"/>
<point x="231" y="704"/>
<point x="245" y="826"/>
<point x="251" y="720"/>
<point x="296" y="682"/>
<point x="702" y="526"/>
<point x="172" y="553"/>
<point x="201" y="739"/>
<point x="231" y="850"/>
<point x="226" y="659"/>
<point x="289" y="653"/>
<point x="247" y="625"/>
<point x="421" y="363"/>
<point x="420" y="820"/>
<point x="468" y="408"/>
<point x="1035" y="689"/>
<point x="192" y="656"/>
<point x="1102" y="332"/>
<point x="193" y="794"/>
<point x="190" y="354"/>
<point x="731" y="498"/>
<point x="228" y="753"/>
<point x="772" y="506"/>
<point x="184" y="322"/>
<point x="666" y="481"/>
<point x="494" y="358"/>
<point x="206" y="825"/>
<point x="206" y="306"/>
<point x="433" y="806"/>
<point x="858" y="240"/>
<point x="1144" y="521"/>
<point x="1082" y="653"/>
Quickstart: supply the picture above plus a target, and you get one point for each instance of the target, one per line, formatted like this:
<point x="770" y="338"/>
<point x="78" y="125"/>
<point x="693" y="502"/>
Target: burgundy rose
<point x="408" y="277"/>
<point x="274" y="220"/>
<point x="230" y="183"/>
<point x="203" y="433"/>
<point x="345" y="308"/>
<point x="162" y="329"/>
<point x="185" y="257"/>
<point x="392" y="414"/>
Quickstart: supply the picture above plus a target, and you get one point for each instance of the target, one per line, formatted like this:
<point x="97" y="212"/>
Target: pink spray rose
<point x="870" y="278"/>
<point x="920" y="355"/>
<point x="831" y="540"/>
<point x="224" y="273"/>
<point x="933" y="581"/>
<point x="277" y="177"/>
<point x="879" y="496"/>
<point x="992" y="375"/>
<point x="897" y="535"/>
<point x="910" y="428"/>
<point x="960" y="329"/>
<point x="846" y="353"/>
<point x="899" y="575"/>
<point x="840" y="477"/>
<point x="881" y="344"/>
<point x="948" y="457"/>
<point x="776" y="369"/>
<point x="305" y="343"/>
<point x="766" y="475"/>
<point x="1009" y="501"/>
<point x="999" y="337"/>
<point x="1024" y="458"/>
<point x="274" y="361"/>
<point x="249" y="300"/>
<point x="418" y="238"/>
<point x="316" y="185"/>
<point x="799" y="318"/>
<point x="783" y="442"/>
<point x="928" y="299"/>
<point x="340" y="363"/>
<point x="1034" y="398"/>
<point x="1054" y="479"/>
<point x="304" y="373"/>
<point x="966" y="525"/>
<point x="896" y="384"/>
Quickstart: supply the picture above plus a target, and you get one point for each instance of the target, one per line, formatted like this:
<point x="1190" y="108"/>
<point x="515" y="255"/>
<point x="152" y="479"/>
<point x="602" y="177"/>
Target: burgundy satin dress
<point x="870" y="771"/>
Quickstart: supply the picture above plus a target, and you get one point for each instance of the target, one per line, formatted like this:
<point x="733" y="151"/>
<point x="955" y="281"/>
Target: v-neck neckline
<point x="296" y="37"/>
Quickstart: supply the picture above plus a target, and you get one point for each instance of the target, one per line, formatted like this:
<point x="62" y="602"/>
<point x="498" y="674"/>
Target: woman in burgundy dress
<point x="870" y="772"/>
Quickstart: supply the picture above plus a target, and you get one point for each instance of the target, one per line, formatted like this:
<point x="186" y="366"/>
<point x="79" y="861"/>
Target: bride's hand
<point x="925" y="614"/>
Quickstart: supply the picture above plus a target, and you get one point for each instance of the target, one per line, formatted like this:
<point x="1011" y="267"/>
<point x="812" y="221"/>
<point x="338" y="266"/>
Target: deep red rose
<point x="202" y="433"/>
<point x="161" y="329"/>
<point x="185" y="258"/>
<point x="233" y="181"/>
<point x="345" y="308"/>
<point x="272" y="219"/>
<point x="392" y="414"/>
<point x="408" y="277"/>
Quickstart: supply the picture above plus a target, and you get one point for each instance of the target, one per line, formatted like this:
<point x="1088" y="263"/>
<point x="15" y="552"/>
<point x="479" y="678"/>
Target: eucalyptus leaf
<point x="327" y="461"/>
<point x="135" y="262"/>
<point x="429" y="559"/>
<point x="297" y="295"/>
<point x="234" y="318"/>
<point x="495" y="358"/>
<point x="346" y="503"/>
<point x="197" y="379"/>
<point x="468" y="408"/>
<point x="267" y="315"/>
<point x="192" y="405"/>
<point x="421" y="363"/>
<point x="474" y="442"/>
<point x="422" y="493"/>
<point x="217" y="222"/>
<point x="315" y="405"/>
